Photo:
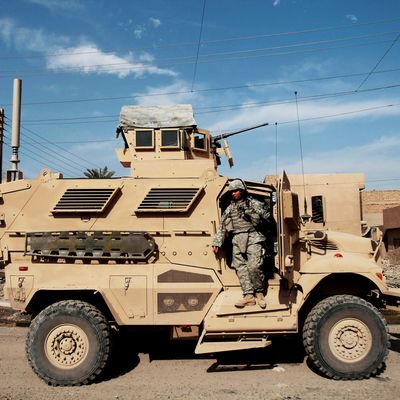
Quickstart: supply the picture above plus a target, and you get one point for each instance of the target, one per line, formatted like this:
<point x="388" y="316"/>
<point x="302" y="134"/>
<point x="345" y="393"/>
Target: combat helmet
<point x="236" y="184"/>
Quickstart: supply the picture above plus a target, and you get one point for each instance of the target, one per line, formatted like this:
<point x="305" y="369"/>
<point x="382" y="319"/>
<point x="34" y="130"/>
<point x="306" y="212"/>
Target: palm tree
<point x="101" y="173"/>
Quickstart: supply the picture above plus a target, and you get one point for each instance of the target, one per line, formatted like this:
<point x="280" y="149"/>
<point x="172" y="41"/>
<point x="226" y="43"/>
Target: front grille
<point x="168" y="199"/>
<point x="84" y="200"/>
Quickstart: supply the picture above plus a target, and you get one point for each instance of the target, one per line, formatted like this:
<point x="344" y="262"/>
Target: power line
<point x="213" y="41"/>
<point x="123" y="66"/>
<point x="57" y="146"/>
<point x="198" y="44"/>
<point x="232" y="107"/>
<point x="310" y="43"/>
<point x="342" y="113"/>
<point x="221" y="108"/>
<point x="51" y="163"/>
<point x="178" y="92"/>
<point x="42" y="149"/>
<point x="379" y="61"/>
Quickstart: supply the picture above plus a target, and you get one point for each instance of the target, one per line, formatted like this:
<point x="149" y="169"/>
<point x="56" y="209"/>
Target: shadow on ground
<point x="395" y="342"/>
<point x="158" y="346"/>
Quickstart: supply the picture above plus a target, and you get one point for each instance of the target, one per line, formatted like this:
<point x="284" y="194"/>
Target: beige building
<point x="391" y="222"/>
<point x="374" y="202"/>
<point x="333" y="200"/>
<point x="338" y="202"/>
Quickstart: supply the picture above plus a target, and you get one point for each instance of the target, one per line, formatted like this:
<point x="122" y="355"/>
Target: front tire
<point x="346" y="338"/>
<point x="68" y="343"/>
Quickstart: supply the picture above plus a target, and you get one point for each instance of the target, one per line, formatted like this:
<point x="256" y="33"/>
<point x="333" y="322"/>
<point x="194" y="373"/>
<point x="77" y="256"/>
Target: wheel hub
<point x="66" y="346"/>
<point x="350" y="340"/>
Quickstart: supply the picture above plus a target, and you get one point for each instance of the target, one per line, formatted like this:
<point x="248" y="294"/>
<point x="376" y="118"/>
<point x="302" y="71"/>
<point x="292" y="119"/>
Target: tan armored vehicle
<point x="85" y="256"/>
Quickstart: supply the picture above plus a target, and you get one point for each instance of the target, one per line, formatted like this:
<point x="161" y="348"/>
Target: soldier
<point x="242" y="219"/>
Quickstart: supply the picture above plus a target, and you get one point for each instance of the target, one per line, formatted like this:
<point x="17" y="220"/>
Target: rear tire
<point x="68" y="343"/>
<point x="346" y="338"/>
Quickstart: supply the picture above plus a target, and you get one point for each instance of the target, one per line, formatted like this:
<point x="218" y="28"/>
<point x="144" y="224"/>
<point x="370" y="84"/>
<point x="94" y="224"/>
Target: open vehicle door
<point x="288" y="222"/>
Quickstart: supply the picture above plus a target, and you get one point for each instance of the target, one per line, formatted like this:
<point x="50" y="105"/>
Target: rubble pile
<point x="392" y="273"/>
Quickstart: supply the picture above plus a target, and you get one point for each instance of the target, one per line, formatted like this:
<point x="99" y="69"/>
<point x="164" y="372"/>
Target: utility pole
<point x="1" y="142"/>
<point x="14" y="174"/>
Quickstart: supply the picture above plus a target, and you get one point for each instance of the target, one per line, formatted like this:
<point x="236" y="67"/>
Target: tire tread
<point x="309" y="331"/>
<point x="70" y="307"/>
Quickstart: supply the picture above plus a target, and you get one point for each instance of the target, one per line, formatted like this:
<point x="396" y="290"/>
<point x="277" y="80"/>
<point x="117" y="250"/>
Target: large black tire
<point x="68" y="343"/>
<point x="346" y="338"/>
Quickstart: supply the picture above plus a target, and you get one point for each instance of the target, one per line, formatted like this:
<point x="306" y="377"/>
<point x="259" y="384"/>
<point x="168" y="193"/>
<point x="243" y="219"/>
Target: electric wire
<point x="221" y="108"/>
<point x="341" y="114"/>
<point x="56" y="160"/>
<point x="379" y="61"/>
<point x="295" y="45"/>
<point x="233" y="107"/>
<point x="42" y="149"/>
<point x="213" y="41"/>
<point x="198" y="44"/>
<point x="224" y="88"/>
<point x="127" y="66"/>
<point x="61" y="148"/>
<point x="51" y="163"/>
<point x="53" y="154"/>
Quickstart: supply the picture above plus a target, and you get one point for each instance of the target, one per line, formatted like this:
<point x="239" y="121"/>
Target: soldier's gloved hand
<point x="215" y="249"/>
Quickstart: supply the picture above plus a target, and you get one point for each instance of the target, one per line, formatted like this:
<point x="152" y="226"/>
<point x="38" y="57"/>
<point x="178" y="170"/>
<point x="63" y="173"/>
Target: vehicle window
<point x="170" y="138"/>
<point x="144" y="138"/>
<point x="200" y="141"/>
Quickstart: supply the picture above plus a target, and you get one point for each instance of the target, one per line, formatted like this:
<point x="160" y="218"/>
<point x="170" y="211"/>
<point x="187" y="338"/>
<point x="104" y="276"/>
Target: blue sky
<point x="239" y="64"/>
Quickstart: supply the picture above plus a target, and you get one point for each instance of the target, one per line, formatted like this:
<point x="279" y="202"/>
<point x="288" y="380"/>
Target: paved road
<point x="170" y="371"/>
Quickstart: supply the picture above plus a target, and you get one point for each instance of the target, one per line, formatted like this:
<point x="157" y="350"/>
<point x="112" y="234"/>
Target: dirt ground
<point x="156" y="368"/>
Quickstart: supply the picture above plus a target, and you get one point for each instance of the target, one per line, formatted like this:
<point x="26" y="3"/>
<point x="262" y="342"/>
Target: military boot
<point x="246" y="300"/>
<point x="261" y="300"/>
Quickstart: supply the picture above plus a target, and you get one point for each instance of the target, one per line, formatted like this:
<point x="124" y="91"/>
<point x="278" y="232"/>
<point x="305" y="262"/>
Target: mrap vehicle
<point x="86" y="257"/>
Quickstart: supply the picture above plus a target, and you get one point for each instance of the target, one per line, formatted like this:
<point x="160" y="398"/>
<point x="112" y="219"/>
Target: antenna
<point x="305" y="217"/>
<point x="276" y="150"/>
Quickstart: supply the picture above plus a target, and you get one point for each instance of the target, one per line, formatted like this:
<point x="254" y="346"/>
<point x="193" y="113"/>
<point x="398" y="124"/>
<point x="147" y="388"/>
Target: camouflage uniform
<point x="241" y="218"/>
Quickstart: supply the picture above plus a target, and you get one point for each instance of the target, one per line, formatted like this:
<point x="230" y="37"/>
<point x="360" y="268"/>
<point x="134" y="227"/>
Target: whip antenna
<point x="276" y="150"/>
<point x="305" y="217"/>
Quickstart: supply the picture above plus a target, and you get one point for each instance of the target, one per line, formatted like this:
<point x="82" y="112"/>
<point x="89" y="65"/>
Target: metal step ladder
<point x="214" y="343"/>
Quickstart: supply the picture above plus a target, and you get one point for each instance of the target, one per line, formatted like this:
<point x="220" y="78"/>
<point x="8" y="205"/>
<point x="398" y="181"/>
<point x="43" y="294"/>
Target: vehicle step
<point x="219" y="346"/>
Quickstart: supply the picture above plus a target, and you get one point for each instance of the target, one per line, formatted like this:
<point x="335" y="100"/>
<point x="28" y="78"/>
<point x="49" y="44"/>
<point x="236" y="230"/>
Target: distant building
<point x="346" y="207"/>
<point x="375" y="201"/>
<point x="339" y="195"/>
<point x="391" y="223"/>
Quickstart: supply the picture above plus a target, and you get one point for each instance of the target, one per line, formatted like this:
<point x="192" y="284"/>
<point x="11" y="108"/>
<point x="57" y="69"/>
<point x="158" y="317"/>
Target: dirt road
<point x="171" y="371"/>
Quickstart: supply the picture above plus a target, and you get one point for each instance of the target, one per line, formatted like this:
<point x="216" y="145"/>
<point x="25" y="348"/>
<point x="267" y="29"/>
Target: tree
<point x="101" y="173"/>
